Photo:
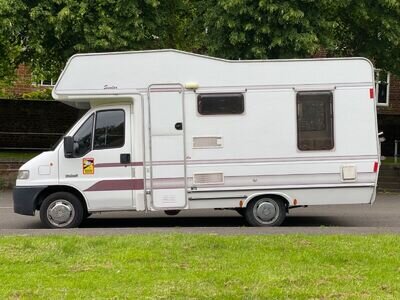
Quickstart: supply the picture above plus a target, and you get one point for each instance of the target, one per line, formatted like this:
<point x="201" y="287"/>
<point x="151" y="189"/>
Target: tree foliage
<point x="301" y="28"/>
<point x="10" y="40"/>
<point x="268" y="28"/>
<point x="45" y="33"/>
<point x="370" y="28"/>
<point x="53" y="30"/>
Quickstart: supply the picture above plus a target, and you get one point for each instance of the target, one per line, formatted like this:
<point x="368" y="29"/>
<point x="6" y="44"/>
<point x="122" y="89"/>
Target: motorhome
<point x="168" y="130"/>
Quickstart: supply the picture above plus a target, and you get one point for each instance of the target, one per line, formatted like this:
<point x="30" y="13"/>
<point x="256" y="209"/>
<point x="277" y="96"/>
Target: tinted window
<point x="83" y="138"/>
<point x="315" y="120"/>
<point x="110" y="129"/>
<point x="220" y="104"/>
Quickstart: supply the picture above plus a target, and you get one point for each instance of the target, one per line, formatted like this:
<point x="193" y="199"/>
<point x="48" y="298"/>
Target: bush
<point x="44" y="94"/>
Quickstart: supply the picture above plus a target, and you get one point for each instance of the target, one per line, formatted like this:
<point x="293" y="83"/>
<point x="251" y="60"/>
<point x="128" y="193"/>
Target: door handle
<point x="178" y="126"/>
<point x="124" y="158"/>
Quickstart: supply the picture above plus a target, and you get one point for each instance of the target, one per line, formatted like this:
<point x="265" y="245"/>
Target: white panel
<point x="354" y="122"/>
<point x="351" y="195"/>
<point x="166" y="148"/>
<point x="169" y="198"/>
<point x="115" y="72"/>
<point x="326" y="196"/>
<point x="110" y="200"/>
<point x="44" y="170"/>
<point x="166" y="111"/>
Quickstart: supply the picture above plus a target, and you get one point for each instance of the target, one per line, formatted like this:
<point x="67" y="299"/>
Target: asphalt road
<point x="382" y="217"/>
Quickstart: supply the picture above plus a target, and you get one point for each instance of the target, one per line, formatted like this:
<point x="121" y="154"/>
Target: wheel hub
<point x="60" y="213"/>
<point x="266" y="211"/>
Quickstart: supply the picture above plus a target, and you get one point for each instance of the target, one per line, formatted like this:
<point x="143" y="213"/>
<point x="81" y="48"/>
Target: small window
<point x="83" y="138"/>
<point x="220" y="104"/>
<point x="382" y="87"/>
<point x="315" y="121"/>
<point x="110" y="129"/>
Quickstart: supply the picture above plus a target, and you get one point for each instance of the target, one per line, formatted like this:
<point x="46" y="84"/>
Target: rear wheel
<point x="265" y="212"/>
<point x="61" y="210"/>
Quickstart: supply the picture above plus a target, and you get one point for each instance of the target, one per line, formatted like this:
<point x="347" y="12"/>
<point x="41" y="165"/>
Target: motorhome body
<point x="169" y="130"/>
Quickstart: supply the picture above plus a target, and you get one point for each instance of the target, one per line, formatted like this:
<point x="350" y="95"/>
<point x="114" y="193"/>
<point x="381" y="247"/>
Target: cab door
<point x="100" y="167"/>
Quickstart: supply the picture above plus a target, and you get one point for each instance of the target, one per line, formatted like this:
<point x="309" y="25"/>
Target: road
<point x="382" y="217"/>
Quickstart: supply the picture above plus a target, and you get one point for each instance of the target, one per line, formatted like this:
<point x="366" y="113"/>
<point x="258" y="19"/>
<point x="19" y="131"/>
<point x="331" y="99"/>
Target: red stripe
<point x="117" y="185"/>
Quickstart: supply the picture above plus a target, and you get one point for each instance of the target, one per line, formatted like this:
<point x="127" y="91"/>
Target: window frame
<point x="332" y="118"/>
<point x="83" y="123"/>
<point x="221" y="114"/>
<point x="377" y="82"/>
<point x="94" y="128"/>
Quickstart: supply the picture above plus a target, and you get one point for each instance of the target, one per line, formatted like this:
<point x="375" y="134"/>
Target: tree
<point x="10" y="44"/>
<point x="248" y="29"/>
<point x="53" y="30"/>
<point x="45" y="33"/>
<point x="370" y="28"/>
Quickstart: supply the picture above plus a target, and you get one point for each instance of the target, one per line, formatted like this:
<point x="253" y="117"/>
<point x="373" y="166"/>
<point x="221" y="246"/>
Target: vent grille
<point x="208" y="178"/>
<point x="207" y="142"/>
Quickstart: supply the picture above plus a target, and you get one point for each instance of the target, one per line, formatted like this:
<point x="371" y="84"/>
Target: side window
<point x="83" y="138"/>
<point x="220" y="104"/>
<point x="110" y="129"/>
<point x="315" y="121"/>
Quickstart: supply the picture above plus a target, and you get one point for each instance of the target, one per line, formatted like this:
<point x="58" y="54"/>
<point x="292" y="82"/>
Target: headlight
<point x="23" y="174"/>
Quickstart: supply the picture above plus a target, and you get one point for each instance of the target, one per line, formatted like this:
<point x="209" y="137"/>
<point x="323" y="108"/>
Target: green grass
<point x="179" y="266"/>
<point x="17" y="155"/>
<point x="389" y="160"/>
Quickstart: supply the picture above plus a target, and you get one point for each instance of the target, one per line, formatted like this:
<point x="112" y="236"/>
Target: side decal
<point x="88" y="166"/>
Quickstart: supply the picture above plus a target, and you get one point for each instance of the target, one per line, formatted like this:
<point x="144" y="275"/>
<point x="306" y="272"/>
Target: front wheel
<point x="61" y="210"/>
<point x="265" y="212"/>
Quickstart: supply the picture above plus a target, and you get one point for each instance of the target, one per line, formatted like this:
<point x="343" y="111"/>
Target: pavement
<point x="382" y="217"/>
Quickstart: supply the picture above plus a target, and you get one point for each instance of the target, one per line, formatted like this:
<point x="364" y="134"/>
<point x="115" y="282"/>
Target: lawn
<point x="390" y="160"/>
<point x="17" y="155"/>
<point x="189" y="266"/>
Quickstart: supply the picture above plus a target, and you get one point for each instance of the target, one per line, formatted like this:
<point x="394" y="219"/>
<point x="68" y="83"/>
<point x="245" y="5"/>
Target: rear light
<point x="376" y="165"/>
<point x="371" y="93"/>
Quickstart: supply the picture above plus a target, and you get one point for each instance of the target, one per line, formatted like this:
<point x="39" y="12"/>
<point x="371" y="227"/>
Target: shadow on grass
<point x="168" y="222"/>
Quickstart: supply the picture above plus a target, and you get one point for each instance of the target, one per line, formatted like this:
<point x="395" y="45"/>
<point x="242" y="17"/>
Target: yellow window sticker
<point x="88" y="166"/>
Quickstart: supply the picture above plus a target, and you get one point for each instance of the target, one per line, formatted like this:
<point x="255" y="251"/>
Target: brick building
<point x="389" y="116"/>
<point x="23" y="83"/>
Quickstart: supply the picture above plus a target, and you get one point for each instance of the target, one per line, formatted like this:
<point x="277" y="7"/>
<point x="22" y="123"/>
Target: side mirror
<point x="68" y="147"/>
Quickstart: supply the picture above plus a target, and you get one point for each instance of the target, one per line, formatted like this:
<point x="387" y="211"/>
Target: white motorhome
<point x="168" y="131"/>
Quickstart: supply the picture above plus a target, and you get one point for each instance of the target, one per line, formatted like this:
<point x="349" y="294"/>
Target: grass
<point x="179" y="266"/>
<point x="390" y="160"/>
<point x="17" y="155"/>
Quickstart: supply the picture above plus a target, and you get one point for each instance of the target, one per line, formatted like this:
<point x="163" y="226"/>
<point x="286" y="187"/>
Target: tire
<point x="61" y="210"/>
<point x="265" y="212"/>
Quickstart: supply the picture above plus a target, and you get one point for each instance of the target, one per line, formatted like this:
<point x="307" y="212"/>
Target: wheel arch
<point x="60" y="188"/>
<point x="286" y="199"/>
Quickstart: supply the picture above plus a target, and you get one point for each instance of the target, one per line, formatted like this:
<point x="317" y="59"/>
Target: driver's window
<point x="83" y="138"/>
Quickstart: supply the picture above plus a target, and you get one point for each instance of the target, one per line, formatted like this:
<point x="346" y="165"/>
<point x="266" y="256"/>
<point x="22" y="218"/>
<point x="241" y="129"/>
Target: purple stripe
<point x="108" y="165"/>
<point x="117" y="185"/>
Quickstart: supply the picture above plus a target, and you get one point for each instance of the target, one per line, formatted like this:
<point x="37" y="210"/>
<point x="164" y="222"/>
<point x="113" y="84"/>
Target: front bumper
<point x="25" y="199"/>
